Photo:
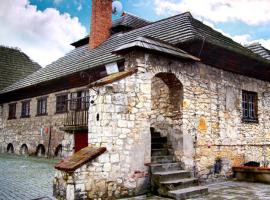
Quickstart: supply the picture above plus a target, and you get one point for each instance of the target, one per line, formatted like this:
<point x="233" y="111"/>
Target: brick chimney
<point x="101" y="22"/>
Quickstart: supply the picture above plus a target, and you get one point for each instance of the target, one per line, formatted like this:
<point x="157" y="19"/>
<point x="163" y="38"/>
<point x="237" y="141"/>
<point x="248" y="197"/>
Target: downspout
<point x="49" y="144"/>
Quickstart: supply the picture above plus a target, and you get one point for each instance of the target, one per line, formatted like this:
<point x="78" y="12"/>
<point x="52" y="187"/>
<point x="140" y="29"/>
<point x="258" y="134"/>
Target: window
<point x="25" y="109"/>
<point x="12" y="111"/>
<point x="250" y="106"/>
<point x="61" y="103"/>
<point x="80" y="100"/>
<point x="1" y="110"/>
<point x="42" y="106"/>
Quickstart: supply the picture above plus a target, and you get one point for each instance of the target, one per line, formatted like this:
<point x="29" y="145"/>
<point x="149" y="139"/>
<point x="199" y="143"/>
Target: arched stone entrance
<point x="24" y="150"/>
<point x="40" y="152"/>
<point x="166" y="109"/>
<point x="58" y="151"/>
<point x="10" y="148"/>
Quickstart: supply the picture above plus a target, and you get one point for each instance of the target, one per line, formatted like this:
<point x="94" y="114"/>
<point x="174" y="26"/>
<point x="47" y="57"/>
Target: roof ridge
<point x="155" y="22"/>
<point x="133" y="15"/>
<point x="252" y="43"/>
<point x="10" y="47"/>
<point x="19" y="50"/>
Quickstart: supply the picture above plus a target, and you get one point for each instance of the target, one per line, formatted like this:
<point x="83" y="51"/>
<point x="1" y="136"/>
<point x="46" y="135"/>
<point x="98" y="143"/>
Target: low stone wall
<point x="252" y="174"/>
<point x="91" y="182"/>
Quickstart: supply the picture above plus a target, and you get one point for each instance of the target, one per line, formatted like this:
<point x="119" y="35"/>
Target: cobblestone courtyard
<point x="229" y="191"/>
<point x="24" y="178"/>
<point x="28" y="178"/>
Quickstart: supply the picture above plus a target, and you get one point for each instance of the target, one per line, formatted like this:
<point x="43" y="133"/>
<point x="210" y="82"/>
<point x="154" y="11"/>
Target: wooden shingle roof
<point x="259" y="49"/>
<point x="153" y="45"/>
<point x="176" y="30"/>
<point x="14" y="65"/>
<point x="129" y="21"/>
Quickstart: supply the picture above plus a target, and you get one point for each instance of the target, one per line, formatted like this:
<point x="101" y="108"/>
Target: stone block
<point x="114" y="158"/>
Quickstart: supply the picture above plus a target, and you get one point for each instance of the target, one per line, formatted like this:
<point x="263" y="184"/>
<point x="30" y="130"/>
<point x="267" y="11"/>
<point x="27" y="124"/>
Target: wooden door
<point x="81" y="140"/>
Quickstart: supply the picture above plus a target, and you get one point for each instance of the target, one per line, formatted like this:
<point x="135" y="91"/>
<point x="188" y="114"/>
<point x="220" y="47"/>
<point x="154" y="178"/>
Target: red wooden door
<point x="81" y="140"/>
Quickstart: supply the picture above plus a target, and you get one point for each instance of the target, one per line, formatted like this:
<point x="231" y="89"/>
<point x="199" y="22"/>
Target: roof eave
<point x="125" y="51"/>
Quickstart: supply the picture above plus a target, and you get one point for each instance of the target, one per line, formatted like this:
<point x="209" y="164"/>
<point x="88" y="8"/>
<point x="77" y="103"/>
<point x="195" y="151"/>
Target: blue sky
<point x="145" y="9"/>
<point x="45" y="28"/>
<point x="82" y="8"/>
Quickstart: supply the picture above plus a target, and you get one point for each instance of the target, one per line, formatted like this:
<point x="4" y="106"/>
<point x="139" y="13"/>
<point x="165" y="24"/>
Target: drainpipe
<point x="49" y="144"/>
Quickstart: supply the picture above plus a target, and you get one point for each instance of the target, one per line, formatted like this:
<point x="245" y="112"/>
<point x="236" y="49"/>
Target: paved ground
<point x="24" y="178"/>
<point x="229" y="191"/>
<point x="31" y="178"/>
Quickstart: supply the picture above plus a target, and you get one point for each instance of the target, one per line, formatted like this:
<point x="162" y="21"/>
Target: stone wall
<point x="212" y="117"/>
<point x="207" y="129"/>
<point x="211" y="112"/>
<point x="35" y="130"/>
<point x="118" y="120"/>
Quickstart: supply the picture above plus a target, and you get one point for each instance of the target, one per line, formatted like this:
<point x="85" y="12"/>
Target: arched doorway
<point x="24" y="150"/>
<point x="10" y="148"/>
<point x="58" y="151"/>
<point x="166" y="109"/>
<point x="40" y="151"/>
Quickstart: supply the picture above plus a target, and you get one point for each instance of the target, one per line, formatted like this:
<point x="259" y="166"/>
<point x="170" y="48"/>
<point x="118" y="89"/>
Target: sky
<point x="44" y="29"/>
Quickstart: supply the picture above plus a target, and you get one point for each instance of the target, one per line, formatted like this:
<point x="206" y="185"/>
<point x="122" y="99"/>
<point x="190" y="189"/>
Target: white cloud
<point x="43" y="35"/>
<point x="141" y="3"/>
<point x="79" y="7"/>
<point x="251" y="12"/>
<point x="246" y="39"/>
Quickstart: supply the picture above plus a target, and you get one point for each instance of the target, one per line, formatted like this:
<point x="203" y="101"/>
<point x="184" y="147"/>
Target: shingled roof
<point x="174" y="30"/>
<point x="259" y="49"/>
<point x="125" y="23"/>
<point x="153" y="45"/>
<point x="128" y="22"/>
<point x="14" y="65"/>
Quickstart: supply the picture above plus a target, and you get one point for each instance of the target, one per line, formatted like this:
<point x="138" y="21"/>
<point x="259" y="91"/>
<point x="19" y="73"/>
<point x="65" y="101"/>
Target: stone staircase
<point x="168" y="178"/>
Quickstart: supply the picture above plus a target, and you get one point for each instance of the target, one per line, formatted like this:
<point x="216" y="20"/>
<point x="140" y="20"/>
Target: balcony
<point x="77" y="116"/>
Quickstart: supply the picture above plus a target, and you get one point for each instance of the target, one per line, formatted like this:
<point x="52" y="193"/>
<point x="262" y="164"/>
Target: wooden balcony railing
<point x="77" y="116"/>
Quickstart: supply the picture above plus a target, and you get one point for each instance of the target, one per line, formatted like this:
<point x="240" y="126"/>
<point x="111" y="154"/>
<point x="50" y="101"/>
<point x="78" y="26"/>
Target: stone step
<point x="160" y="152"/>
<point x="188" y="192"/>
<point x="155" y="135"/>
<point x="171" y="175"/>
<point x="159" y="139"/>
<point x="158" y="145"/>
<point x="165" y="186"/>
<point x="179" y="183"/>
<point x="163" y="167"/>
<point x="162" y="159"/>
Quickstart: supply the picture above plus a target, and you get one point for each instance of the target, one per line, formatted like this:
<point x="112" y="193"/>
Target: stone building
<point x="46" y="113"/>
<point x="171" y="102"/>
<point x="14" y="65"/>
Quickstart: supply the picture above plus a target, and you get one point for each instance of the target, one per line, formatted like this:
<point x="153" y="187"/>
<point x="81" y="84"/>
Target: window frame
<point x="23" y="115"/>
<point x="79" y="100"/>
<point x="249" y="106"/>
<point x="57" y="111"/>
<point x="39" y="101"/>
<point x="1" y="110"/>
<point x="12" y="115"/>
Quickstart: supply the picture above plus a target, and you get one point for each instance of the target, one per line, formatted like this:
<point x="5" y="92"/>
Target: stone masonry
<point x="197" y="106"/>
<point x="34" y="131"/>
